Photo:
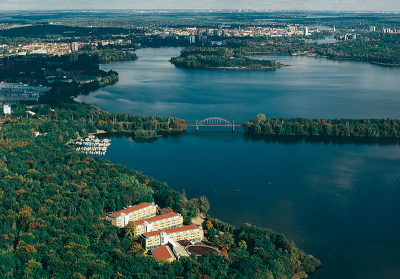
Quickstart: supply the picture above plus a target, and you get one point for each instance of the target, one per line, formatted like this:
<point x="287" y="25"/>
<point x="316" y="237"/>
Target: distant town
<point x="192" y="35"/>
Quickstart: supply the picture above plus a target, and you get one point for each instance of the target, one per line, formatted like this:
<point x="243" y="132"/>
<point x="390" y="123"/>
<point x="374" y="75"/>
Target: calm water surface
<point x="338" y="200"/>
<point x="311" y="88"/>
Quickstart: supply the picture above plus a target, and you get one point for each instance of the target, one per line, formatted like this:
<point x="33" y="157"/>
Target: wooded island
<point x="221" y="58"/>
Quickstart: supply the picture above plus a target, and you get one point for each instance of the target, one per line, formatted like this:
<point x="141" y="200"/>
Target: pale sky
<point x="344" y="5"/>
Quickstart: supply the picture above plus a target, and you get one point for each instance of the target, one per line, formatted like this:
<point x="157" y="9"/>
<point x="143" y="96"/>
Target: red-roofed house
<point x="151" y="240"/>
<point x="132" y="213"/>
<point x="163" y="253"/>
<point x="159" y="222"/>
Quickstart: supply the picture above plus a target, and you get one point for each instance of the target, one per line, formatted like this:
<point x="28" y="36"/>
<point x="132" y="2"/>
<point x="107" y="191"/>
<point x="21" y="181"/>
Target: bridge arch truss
<point x="214" y="120"/>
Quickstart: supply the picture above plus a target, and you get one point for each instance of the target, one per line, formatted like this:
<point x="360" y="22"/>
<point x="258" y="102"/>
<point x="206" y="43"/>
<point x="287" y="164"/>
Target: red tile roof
<point x="161" y="253"/>
<point x="173" y="230"/>
<point x="130" y="209"/>
<point x="157" y="218"/>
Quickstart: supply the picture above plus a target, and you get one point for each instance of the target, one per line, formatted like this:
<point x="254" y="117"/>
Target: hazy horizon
<point x="311" y="5"/>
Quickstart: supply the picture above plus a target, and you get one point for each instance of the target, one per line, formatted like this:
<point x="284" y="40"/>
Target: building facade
<point x="15" y="97"/>
<point x="160" y="222"/>
<point x="133" y="213"/>
<point x="13" y="93"/>
<point x="152" y="240"/>
<point x="74" y="46"/>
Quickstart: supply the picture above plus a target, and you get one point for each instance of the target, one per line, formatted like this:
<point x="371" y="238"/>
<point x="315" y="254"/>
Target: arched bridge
<point x="213" y="121"/>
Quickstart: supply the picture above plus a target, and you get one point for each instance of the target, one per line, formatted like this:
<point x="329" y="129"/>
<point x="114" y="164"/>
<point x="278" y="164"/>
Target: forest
<point x="373" y="47"/>
<point x="363" y="128"/>
<point x="52" y="197"/>
<point x="83" y="119"/>
<point x="109" y="54"/>
<point x="220" y="58"/>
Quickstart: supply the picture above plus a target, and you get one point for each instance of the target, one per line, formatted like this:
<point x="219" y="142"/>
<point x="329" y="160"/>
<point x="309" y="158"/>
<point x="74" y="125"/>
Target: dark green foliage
<point x="79" y="119"/>
<point x="45" y="31"/>
<point x="272" y="251"/>
<point x="109" y="54"/>
<point x="368" y="128"/>
<point x="372" y="47"/>
<point x="220" y="58"/>
<point x="220" y="225"/>
<point x="51" y="198"/>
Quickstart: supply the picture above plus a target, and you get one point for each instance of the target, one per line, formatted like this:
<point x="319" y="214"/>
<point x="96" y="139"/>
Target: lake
<point x="336" y="199"/>
<point x="310" y="88"/>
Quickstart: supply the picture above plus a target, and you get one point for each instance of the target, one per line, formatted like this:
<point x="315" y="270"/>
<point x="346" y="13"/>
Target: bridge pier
<point x="197" y="128"/>
<point x="233" y="128"/>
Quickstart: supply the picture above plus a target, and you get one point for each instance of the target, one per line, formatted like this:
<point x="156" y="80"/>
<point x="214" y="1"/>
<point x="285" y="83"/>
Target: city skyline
<point x="329" y="5"/>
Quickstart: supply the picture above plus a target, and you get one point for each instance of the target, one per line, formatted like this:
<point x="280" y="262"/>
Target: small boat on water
<point x="91" y="145"/>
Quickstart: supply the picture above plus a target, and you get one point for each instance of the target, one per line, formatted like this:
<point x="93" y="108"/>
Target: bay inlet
<point x="336" y="199"/>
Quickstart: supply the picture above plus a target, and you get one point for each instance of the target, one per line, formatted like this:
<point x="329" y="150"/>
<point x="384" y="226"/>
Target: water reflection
<point x="337" y="198"/>
<point x="285" y="140"/>
<point x="321" y="139"/>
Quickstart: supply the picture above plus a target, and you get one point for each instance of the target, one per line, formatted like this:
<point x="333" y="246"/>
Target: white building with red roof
<point x="132" y="213"/>
<point x="159" y="222"/>
<point x="154" y="239"/>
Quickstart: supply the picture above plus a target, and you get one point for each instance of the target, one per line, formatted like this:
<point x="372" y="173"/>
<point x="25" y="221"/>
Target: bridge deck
<point x="213" y="124"/>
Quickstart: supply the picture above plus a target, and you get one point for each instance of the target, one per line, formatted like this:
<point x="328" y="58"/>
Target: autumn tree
<point x="130" y="231"/>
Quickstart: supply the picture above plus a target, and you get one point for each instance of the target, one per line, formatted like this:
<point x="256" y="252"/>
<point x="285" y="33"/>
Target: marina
<point x="91" y="145"/>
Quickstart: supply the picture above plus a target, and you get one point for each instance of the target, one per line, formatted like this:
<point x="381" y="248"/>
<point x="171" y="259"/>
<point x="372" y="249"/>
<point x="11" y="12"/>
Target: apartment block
<point x="133" y="213"/>
<point x="160" y="222"/>
<point x="152" y="240"/>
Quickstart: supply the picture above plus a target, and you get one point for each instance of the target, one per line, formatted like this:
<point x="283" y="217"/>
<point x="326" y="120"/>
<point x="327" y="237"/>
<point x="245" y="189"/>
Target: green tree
<point x="260" y="117"/>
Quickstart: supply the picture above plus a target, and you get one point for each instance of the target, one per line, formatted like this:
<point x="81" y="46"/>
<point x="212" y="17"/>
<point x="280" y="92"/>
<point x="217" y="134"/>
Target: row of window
<point x="139" y="215"/>
<point x="133" y="216"/>
<point x="178" y="237"/>
<point x="156" y="242"/>
<point x="156" y="226"/>
<point x="142" y="230"/>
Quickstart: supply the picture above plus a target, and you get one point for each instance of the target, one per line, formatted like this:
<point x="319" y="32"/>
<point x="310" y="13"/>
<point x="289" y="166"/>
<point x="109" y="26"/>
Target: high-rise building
<point x="372" y="28"/>
<point x="74" y="46"/>
<point x="198" y="35"/>
<point x="215" y="32"/>
<point x="305" y="31"/>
